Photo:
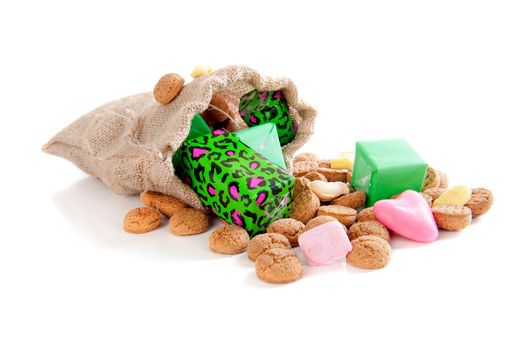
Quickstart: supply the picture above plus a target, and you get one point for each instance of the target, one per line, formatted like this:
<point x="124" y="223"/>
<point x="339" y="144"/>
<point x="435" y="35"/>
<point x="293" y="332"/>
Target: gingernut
<point x="301" y="184"/>
<point x="432" y="179"/>
<point x="278" y="265"/>
<point x="353" y="200"/>
<point x="480" y="202"/>
<point x="334" y="175"/>
<point x="167" y="205"/>
<point x="290" y="228"/>
<point x="188" y="221"/>
<point x="369" y="252"/>
<point x="312" y="176"/>
<point x="265" y="241"/>
<point x="324" y="163"/>
<point x="366" y="214"/>
<point x="304" y="206"/>
<point x="343" y="214"/>
<point x="230" y="239"/>
<point x="304" y="167"/>
<point x="142" y="220"/>
<point x="305" y="156"/>
<point x="218" y="110"/>
<point x="167" y="88"/>
<point x="434" y="192"/>
<point x="317" y="221"/>
<point x="364" y="228"/>
<point x="452" y="217"/>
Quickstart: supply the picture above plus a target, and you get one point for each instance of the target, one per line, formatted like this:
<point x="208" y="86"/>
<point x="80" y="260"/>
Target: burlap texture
<point x="128" y="143"/>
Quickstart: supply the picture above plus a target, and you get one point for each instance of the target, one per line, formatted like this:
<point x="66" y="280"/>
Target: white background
<point x="449" y="76"/>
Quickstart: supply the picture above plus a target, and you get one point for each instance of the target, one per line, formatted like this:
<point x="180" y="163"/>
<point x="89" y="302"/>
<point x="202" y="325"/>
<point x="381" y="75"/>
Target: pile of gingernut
<point x="321" y="195"/>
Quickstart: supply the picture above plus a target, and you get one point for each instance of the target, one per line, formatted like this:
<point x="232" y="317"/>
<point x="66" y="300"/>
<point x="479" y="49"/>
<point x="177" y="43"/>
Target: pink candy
<point x="409" y="216"/>
<point x="325" y="244"/>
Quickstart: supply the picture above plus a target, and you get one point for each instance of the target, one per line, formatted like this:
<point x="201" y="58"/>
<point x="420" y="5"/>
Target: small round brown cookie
<point x="427" y="198"/>
<point x="432" y="179"/>
<point x="334" y="175"/>
<point x="304" y="206"/>
<point x="232" y="125"/>
<point x="369" y="252"/>
<point x="278" y="265"/>
<point x="167" y="88"/>
<point x="290" y="228"/>
<point x="218" y="108"/>
<point x="434" y="192"/>
<point x="349" y="177"/>
<point x="452" y="217"/>
<point x="353" y="200"/>
<point x="312" y="176"/>
<point x="263" y="242"/>
<point x="366" y="214"/>
<point x="343" y="214"/>
<point x="444" y="180"/>
<point x="324" y="163"/>
<point x="142" y="220"/>
<point x="364" y="228"/>
<point x="304" y="167"/>
<point x="300" y="185"/>
<point x="317" y="221"/>
<point x="305" y="156"/>
<point x="189" y="221"/>
<point x="167" y="205"/>
<point x="230" y="239"/>
<point x="480" y="202"/>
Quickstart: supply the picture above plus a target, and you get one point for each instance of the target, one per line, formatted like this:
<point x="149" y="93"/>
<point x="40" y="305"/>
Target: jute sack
<point x="128" y="143"/>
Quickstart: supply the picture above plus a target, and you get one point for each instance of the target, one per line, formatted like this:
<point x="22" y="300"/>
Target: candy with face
<point x="325" y="244"/>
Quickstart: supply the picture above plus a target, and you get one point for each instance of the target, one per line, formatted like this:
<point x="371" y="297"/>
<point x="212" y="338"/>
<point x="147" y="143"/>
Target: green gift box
<point x="198" y="127"/>
<point x="234" y="181"/>
<point x="264" y="140"/>
<point x="385" y="168"/>
<point x="260" y="107"/>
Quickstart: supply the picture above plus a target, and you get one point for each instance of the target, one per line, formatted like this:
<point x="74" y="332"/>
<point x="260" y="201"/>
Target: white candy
<point x="327" y="191"/>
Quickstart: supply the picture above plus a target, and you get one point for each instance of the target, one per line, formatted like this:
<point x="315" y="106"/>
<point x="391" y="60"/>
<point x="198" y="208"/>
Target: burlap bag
<point x="128" y="143"/>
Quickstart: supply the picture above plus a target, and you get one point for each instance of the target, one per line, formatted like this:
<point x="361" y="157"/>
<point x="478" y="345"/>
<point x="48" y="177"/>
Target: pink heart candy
<point x="409" y="215"/>
<point x="325" y="244"/>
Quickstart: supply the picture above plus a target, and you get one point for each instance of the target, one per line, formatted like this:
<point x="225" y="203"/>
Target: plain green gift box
<point x="385" y="168"/>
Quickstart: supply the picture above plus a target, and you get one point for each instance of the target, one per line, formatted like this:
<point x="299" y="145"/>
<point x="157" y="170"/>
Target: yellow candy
<point x="456" y="195"/>
<point x="344" y="162"/>
<point x="199" y="71"/>
<point x="341" y="163"/>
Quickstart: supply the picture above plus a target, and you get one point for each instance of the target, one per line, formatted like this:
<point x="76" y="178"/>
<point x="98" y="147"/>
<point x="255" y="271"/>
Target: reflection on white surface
<point x="96" y="213"/>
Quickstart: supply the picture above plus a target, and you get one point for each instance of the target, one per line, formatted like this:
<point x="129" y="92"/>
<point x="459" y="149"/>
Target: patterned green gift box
<point x="264" y="140"/>
<point x="198" y="127"/>
<point x="235" y="182"/>
<point x="260" y="107"/>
